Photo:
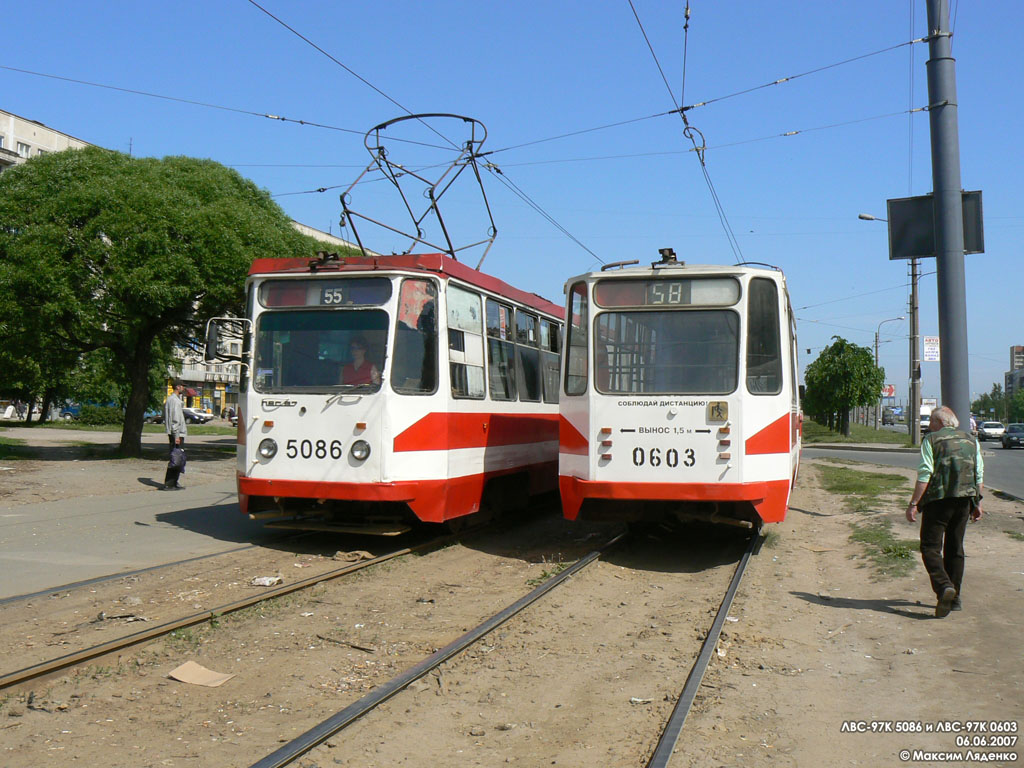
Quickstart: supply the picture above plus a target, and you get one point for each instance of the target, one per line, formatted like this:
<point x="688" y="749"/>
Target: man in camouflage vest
<point x="948" y="489"/>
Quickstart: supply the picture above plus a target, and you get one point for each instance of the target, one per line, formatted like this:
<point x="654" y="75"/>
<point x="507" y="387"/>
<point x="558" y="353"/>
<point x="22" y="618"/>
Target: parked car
<point x="990" y="430"/>
<point x="195" y="416"/>
<point x="70" y="412"/>
<point x="1013" y="436"/>
<point x="153" y="416"/>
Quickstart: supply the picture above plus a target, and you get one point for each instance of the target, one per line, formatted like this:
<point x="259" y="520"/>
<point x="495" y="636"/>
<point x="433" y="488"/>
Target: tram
<point x="680" y="397"/>
<point x="380" y="390"/>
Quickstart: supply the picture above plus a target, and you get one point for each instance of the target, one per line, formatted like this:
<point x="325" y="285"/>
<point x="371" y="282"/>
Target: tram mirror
<point x="803" y="391"/>
<point x="212" y="334"/>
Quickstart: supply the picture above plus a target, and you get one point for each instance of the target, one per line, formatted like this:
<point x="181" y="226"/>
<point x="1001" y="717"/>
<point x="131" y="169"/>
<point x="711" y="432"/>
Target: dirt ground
<point x="817" y="645"/>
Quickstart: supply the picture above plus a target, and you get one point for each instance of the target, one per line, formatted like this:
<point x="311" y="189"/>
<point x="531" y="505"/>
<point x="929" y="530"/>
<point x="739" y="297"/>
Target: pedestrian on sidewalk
<point x="948" y="493"/>
<point x="174" y="424"/>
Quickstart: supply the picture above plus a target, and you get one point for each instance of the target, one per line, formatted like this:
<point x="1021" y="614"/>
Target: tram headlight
<point x="267" y="448"/>
<point x="360" y="450"/>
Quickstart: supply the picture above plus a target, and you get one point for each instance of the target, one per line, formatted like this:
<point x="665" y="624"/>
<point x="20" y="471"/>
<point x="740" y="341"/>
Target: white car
<point x="194" y="416"/>
<point x="990" y="430"/>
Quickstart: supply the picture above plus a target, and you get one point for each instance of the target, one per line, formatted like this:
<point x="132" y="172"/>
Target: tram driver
<point x="359" y="370"/>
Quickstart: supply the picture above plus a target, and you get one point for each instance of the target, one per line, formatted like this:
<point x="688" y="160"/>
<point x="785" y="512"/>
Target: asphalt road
<point x="1004" y="468"/>
<point x="60" y="542"/>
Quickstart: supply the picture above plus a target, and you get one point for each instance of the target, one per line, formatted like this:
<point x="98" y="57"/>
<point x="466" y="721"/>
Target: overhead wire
<point x="512" y="187"/>
<point x="791" y="78"/>
<point x="691" y="133"/>
<point x="206" y="104"/>
<point x="706" y="102"/>
<point x="349" y="70"/>
<point x="495" y="170"/>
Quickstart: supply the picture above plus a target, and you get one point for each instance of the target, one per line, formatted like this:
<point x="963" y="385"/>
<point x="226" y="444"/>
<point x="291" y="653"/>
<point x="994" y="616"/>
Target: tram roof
<point x="435" y="263"/>
<point x="689" y="269"/>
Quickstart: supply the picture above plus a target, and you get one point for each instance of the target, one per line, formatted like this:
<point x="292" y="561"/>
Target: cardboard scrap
<point x="196" y="674"/>
<point x="353" y="557"/>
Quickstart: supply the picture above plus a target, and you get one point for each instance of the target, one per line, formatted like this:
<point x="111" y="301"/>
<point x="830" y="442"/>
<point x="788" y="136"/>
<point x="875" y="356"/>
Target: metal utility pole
<point x="878" y="331"/>
<point x="949" y="231"/>
<point x="914" y="409"/>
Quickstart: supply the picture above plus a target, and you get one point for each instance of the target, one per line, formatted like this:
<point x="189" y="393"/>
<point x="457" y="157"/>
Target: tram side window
<point x="764" y="349"/>
<point x="414" y="368"/>
<point x="527" y="356"/>
<point x="550" y="348"/>
<point x="793" y="358"/>
<point x="500" y="351"/>
<point x="576" y="344"/>
<point x="465" y="343"/>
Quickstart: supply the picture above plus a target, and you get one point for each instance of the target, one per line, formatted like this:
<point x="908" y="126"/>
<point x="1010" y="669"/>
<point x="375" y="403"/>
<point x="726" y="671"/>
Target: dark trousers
<point x="943" y="523"/>
<point x="171" y="478"/>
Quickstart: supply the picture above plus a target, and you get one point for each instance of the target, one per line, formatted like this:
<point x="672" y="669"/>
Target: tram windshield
<point x="318" y="351"/>
<point x="687" y="352"/>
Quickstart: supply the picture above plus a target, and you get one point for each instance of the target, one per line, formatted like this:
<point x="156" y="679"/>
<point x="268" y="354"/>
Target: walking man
<point x="948" y="490"/>
<point x="174" y="423"/>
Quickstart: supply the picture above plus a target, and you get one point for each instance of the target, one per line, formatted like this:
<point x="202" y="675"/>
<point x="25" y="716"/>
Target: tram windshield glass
<point x="686" y="352"/>
<point x="317" y="351"/>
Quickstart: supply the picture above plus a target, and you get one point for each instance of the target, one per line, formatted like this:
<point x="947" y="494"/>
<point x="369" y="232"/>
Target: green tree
<point x="842" y="377"/>
<point x="1015" y="407"/>
<point x="991" y="405"/>
<point x="102" y="251"/>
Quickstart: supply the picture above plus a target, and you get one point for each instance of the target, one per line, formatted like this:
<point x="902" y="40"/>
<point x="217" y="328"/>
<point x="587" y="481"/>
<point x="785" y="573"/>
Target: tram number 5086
<point x="655" y="457"/>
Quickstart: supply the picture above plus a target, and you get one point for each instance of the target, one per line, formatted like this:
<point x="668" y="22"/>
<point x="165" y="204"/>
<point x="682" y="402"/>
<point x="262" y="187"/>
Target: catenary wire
<point x="206" y="104"/>
<point x="783" y="135"/>
<point x="354" y="74"/>
<point x="706" y="102"/>
<point x="512" y="187"/>
<point x="691" y="133"/>
<point x="791" y="78"/>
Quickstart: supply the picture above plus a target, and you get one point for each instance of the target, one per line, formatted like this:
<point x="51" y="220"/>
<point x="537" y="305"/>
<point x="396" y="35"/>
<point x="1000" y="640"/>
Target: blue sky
<point x="531" y="71"/>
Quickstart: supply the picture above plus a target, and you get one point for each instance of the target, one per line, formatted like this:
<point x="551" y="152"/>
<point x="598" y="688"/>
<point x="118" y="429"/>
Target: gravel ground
<point x="585" y="677"/>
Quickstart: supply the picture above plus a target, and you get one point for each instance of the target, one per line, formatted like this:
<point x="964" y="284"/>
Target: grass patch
<point x="771" y="540"/>
<point x="864" y="487"/>
<point x="819" y="433"/>
<point x="10" y="448"/>
<point x="890" y="556"/>
<point x="556" y="568"/>
<point x="1015" y="535"/>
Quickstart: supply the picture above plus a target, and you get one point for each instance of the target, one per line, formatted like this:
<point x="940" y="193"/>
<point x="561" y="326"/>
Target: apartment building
<point x="21" y="138"/>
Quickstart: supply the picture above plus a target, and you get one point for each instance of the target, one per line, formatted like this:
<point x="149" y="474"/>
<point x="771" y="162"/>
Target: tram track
<point x="292" y="751"/>
<point x="63" y="662"/>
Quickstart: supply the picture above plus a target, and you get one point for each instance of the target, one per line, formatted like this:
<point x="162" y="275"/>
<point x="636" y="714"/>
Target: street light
<point x="878" y="330"/>
<point x="914" y="415"/>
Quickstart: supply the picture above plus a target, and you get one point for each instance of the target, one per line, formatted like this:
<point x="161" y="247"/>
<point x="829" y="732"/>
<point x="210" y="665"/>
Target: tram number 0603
<point x="307" y="449"/>
<point x="655" y="457"/>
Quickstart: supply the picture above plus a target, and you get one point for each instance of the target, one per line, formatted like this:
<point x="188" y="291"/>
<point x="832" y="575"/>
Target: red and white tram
<point x="378" y="389"/>
<point x="680" y="396"/>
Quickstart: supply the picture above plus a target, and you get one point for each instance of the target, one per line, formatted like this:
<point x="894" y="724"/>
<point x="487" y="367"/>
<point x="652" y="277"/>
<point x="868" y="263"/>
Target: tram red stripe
<point x="570" y="440"/>
<point x="772" y="439"/>
<point x="449" y="431"/>
<point x="769" y="497"/>
<point x="432" y="501"/>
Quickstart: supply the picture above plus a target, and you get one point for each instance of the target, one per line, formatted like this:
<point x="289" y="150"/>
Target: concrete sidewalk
<point x="59" y="542"/>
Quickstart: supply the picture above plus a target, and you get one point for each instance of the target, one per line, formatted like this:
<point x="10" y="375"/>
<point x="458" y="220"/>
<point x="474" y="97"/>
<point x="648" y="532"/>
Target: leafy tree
<point x="1015" y="407"/>
<point x="991" y="405"/>
<point x="842" y="377"/>
<point x="108" y="261"/>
